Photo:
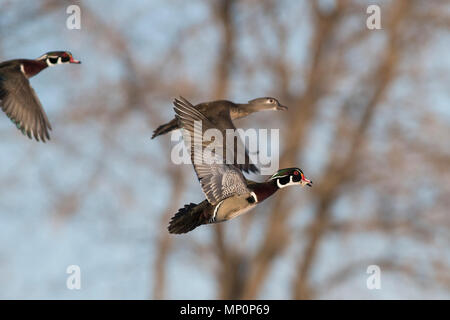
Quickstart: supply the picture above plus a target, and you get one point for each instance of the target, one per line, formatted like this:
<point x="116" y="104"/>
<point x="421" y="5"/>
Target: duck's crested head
<point x="290" y="176"/>
<point x="58" y="57"/>
<point x="267" y="103"/>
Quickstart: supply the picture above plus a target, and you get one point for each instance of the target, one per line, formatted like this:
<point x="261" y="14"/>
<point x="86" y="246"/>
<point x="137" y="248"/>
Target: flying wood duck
<point x="228" y="193"/>
<point x="19" y="100"/>
<point x="221" y="114"/>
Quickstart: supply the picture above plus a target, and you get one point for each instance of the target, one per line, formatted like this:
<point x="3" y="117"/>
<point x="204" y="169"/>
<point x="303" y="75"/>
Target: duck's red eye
<point x="296" y="173"/>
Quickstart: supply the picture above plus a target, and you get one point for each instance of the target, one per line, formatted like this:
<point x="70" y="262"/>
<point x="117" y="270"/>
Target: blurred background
<point x="368" y="122"/>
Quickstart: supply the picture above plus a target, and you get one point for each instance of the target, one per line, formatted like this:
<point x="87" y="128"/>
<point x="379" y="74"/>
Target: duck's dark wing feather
<point x="21" y="104"/>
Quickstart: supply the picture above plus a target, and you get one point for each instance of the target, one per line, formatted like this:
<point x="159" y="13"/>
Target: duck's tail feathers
<point x="169" y="126"/>
<point x="188" y="218"/>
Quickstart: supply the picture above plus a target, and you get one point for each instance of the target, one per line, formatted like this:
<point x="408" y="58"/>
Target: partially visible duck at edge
<point x="19" y="100"/>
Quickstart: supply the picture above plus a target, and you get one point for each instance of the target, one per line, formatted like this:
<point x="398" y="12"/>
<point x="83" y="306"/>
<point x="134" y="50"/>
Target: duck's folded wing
<point x="21" y="104"/>
<point x="217" y="179"/>
<point x="220" y="181"/>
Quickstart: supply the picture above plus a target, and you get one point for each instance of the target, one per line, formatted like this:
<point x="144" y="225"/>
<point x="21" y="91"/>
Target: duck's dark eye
<point x="285" y="180"/>
<point x="270" y="100"/>
<point x="53" y="60"/>
<point x="65" y="59"/>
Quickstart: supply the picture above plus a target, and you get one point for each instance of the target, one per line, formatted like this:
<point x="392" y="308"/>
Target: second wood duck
<point x="221" y="114"/>
<point x="19" y="100"/>
<point x="228" y="193"/>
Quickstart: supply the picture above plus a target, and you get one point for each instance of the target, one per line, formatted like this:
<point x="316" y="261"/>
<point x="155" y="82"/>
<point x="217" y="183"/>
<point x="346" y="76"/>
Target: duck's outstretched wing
<point x="221" y="121"/>
<point x="21" y="104"/>
<point x="217" y="179"/>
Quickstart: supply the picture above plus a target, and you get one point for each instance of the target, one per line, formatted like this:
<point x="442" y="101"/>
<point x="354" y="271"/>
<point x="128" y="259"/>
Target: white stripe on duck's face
<point x="52" y="61"/>
<point x="286" y="181"/>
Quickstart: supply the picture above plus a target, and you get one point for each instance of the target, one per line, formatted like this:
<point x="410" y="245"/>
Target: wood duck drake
<point x="19" y="100"/>
<point x="221" y="114"/>
<point x="228" y="193"/>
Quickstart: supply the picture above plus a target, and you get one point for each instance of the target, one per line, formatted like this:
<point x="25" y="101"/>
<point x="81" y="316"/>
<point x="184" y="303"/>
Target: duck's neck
<point x="265" y="189"/>
<point x="33" y="67"/>
<point x="241" y="110"/>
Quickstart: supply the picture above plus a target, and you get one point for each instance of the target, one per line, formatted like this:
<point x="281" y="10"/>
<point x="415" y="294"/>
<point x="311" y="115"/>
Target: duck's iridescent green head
<point x="290" y="176"/>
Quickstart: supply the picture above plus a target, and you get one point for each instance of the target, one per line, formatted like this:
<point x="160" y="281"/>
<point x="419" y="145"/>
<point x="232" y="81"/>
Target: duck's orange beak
<point x="306" y="182"/>
<point x="72" y="60"/>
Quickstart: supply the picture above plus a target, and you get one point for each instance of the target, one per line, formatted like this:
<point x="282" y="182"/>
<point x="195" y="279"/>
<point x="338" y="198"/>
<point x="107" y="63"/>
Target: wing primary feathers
<point x="21" y="104"/>
<point x="218" y="180"/>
